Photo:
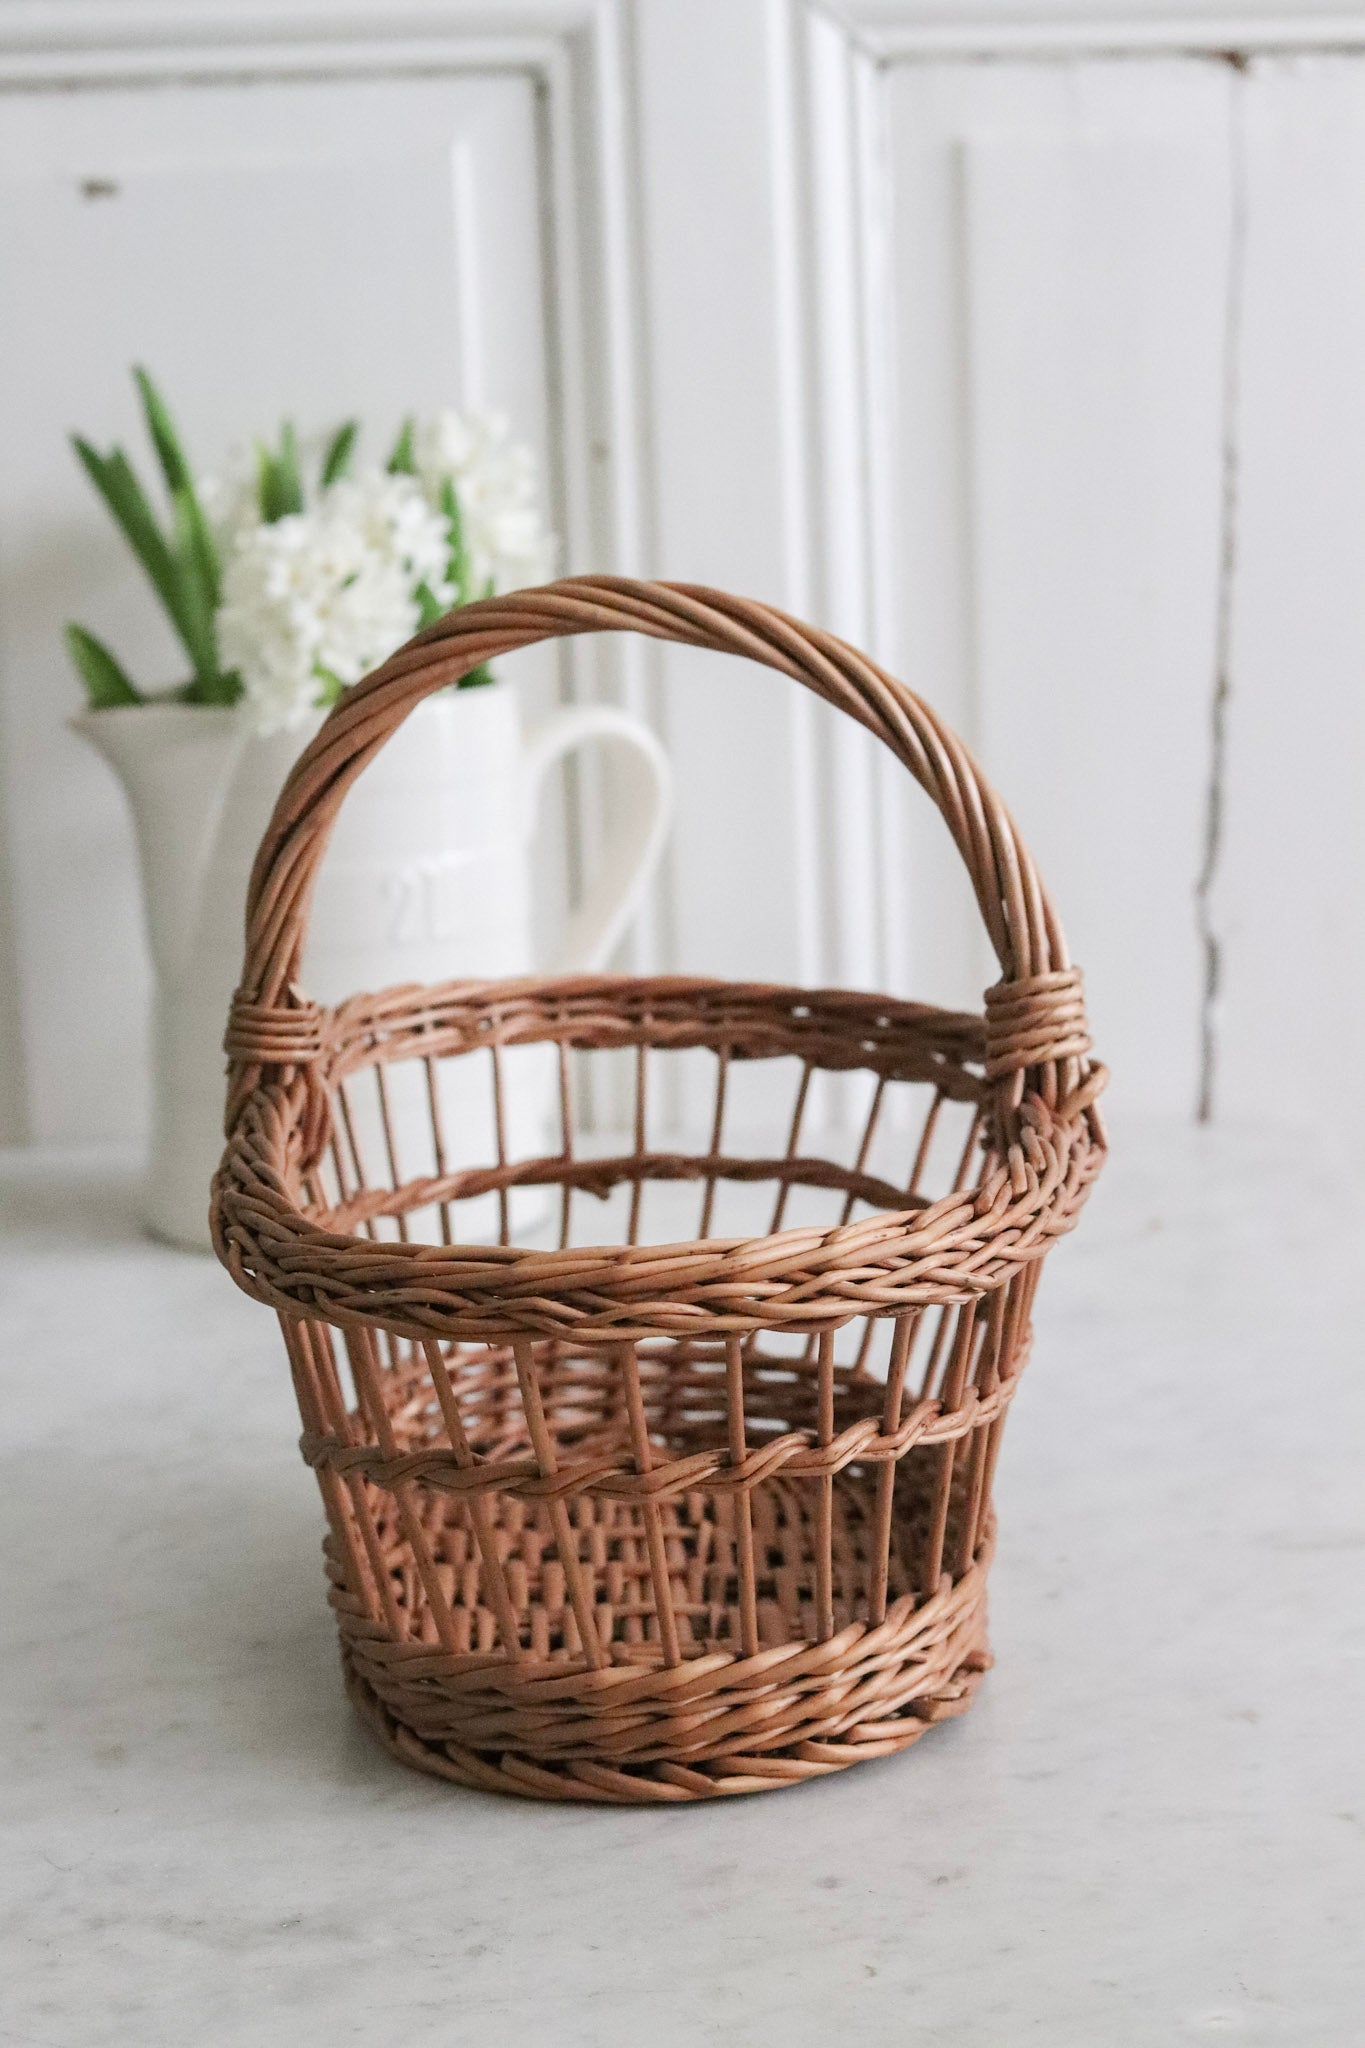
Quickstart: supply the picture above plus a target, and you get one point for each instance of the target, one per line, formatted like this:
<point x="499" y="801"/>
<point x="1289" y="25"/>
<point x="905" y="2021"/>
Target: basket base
<point x="794" y="1714"/>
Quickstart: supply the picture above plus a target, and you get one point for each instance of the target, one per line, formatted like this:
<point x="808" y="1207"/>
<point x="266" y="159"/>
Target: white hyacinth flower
<point x="315" y="600"/>
<point x="494" y="479"/>
<point x="321" y="597"/>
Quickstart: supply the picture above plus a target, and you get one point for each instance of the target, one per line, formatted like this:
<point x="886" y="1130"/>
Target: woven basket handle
<point x="1036" y="1034"/>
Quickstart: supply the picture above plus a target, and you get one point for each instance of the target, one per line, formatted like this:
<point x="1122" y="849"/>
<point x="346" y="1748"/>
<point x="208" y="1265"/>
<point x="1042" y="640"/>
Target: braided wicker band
<point x="714" y="1471"/>
<point x="858" y="1695"/>
<point x="264" y="1034"/>
<point x="1034" y="1023"/>
<point x="621" y="1521"/>
<point x="958" y="1248"/>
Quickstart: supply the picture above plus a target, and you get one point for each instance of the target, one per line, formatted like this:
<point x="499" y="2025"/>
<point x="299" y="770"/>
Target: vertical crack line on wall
<point x="1206" y="919"/>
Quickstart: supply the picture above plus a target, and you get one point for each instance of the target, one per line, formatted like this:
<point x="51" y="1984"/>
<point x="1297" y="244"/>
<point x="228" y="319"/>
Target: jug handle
<point x="636" y="831"/>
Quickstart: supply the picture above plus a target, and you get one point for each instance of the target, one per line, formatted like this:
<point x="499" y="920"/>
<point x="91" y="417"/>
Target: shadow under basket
<point x="688" y="1491"/>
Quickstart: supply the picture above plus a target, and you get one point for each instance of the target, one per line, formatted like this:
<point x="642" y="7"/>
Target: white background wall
<point x="1024" y="345"/>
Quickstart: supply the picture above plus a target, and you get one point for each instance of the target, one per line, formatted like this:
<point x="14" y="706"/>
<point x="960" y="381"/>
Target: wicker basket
<point x="654" y="1521"/>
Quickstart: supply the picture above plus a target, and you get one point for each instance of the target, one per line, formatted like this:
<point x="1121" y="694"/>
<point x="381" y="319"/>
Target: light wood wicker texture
<point x="638" y="1521"/>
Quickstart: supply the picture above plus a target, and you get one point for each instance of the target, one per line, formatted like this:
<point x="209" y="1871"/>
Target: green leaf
<point x="340" y="449"/>
<point x="403" y="461"/>
<point x="291" y="476"/>
<point x="278" y="482"/>
<point x="476" y="678"/>
<point x="457" y="571"/>
<point x="192" y="527"/>
<point x="428" y="610"/>
<point x="165" y="440"/>
<point x="116" y="483"/>
<point x="218" y="688"/>
<point x="106" y="684"/>
<point x="198" y="580"/>
<point x="332" y="685"/>
<point x="113" y="478"/>
<point x="266" y="493"/>
<point x="184" y="571"/>
<point x="197" y="544"/>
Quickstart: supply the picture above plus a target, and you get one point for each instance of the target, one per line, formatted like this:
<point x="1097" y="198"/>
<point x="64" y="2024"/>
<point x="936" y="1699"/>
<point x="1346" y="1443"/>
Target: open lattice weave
<point x="642" y="1520"/>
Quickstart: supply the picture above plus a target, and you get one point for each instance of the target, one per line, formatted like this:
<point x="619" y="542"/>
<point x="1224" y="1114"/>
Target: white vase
<point x="426" y="879"/>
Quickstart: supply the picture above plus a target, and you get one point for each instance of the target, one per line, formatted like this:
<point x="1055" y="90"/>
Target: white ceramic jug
<point x="426" y="879"/>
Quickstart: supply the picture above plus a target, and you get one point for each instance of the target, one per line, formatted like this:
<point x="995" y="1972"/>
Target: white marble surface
<point x="1150" y="1829"/>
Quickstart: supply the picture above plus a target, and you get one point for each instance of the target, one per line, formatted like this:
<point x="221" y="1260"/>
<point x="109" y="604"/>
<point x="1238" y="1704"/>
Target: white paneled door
<point x="1059" y="285"/>
<point x="1030" y="358"/>
<point x="311" y="246"/>
<point x="1288" y="894"/>
<point x="1045" y="375"/>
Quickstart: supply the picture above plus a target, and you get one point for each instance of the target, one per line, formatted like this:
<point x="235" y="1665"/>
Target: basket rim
<point x="800" y="1279"/>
